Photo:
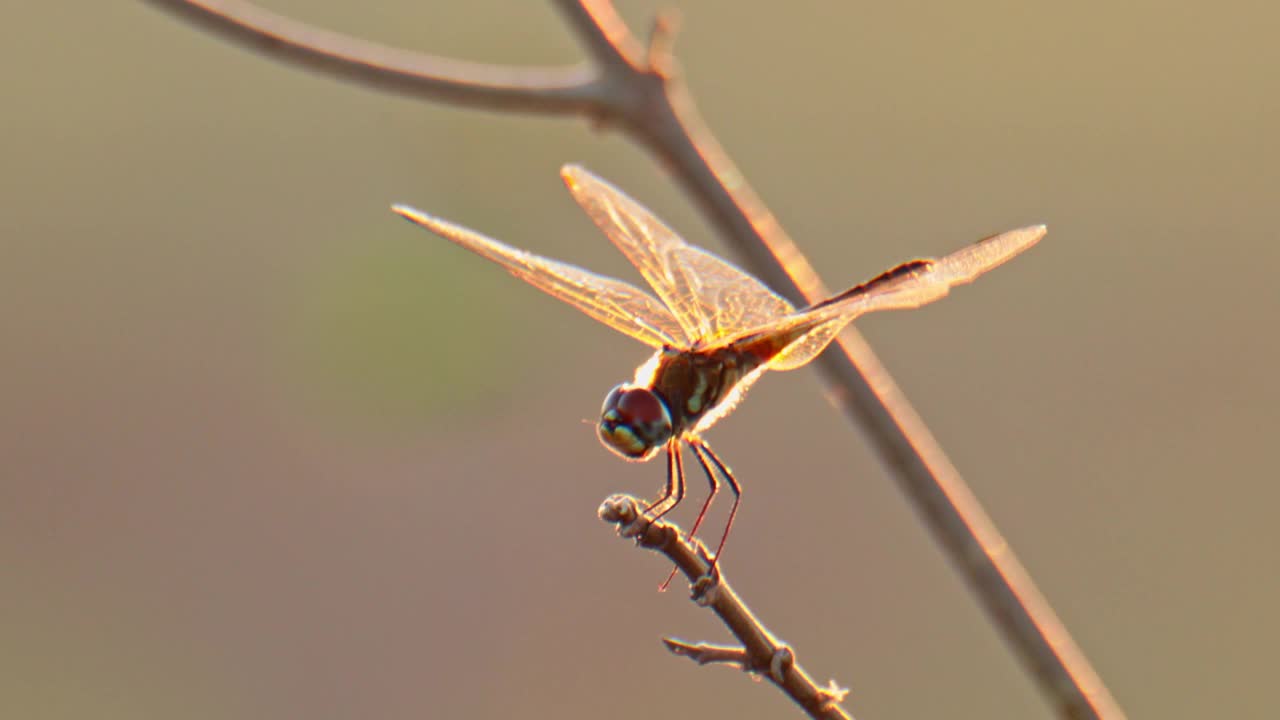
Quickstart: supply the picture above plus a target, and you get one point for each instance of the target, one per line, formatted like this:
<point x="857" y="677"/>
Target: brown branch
<point x="573" y="90"/>
<point x="644" y="95"/>
<point x="604" y="36"/>
<point x="759" y="653"/>
<point x="707" y="654"/>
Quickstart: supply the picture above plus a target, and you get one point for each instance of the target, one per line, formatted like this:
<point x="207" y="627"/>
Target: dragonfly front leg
<point x="675" y="484"/>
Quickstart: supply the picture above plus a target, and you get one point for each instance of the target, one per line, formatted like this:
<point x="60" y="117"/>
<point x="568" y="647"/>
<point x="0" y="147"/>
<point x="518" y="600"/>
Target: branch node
<point x="599" y="121"/>
<point x="782" y="660"/>
<point x="706" y="590"/>
<point x="635" y="529"/>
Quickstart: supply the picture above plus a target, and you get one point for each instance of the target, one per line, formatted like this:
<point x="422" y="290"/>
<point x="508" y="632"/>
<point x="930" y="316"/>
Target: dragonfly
<point x="714" y="328"/>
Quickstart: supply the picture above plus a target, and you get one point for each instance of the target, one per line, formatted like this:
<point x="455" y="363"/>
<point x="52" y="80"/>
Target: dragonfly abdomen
<point x="879" y="282"/>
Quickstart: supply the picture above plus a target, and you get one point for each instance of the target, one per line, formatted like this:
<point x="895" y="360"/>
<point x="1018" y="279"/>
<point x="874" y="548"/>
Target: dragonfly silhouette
<point x="716" y="328"/>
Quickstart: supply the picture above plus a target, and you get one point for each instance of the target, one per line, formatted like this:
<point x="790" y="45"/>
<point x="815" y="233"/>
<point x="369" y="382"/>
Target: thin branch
<point x="645" y="97"/>
<point x="707" y="654"/>
<point x="759" y="653"/>
<point x="603" y="35"/>
<point x="572" y="90"/>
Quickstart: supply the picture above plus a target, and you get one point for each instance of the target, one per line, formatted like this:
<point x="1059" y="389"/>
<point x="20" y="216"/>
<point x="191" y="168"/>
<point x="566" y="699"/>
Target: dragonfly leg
<point x="712" y="481"/>
<point x="702" y="449"/>
<point x="675" y="484"/>
<point x="712" y="466"/>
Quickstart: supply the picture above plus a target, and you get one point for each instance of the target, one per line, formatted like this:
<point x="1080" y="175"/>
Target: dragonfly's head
<point x="634" y="422"/>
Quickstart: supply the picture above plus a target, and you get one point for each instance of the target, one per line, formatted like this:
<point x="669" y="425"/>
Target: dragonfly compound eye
<point x="634" y="422"/>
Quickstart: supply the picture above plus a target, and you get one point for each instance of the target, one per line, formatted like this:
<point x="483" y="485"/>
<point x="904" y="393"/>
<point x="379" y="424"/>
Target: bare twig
<point x="760" y="653"/>
<point x="642" y="93"/>
<point x="706" y="653"/>
<point x="573" y="90"/>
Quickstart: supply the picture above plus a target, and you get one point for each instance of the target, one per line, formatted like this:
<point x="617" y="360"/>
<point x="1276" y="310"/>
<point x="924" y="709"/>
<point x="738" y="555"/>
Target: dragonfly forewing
<point x="620" y="305"/>
<point x="709" y="297"/>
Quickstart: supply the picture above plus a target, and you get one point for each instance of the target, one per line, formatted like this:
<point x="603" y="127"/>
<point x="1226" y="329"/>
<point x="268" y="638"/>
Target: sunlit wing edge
<point x="968" y="263"/>
<point x="616" y="303"/>
<point x="644" y="239"/>
<point x="710" y="297"/>
<point x="907" y="286"/>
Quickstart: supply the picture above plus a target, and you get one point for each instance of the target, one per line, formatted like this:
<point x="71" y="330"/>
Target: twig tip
<point x="662" y="37"/>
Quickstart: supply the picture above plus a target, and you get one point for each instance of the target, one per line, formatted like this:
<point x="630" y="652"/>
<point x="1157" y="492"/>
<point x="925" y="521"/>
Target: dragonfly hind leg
<point x="713" y="483"/>
<point x="709" y="460"/>
<point x="675" y="485"/>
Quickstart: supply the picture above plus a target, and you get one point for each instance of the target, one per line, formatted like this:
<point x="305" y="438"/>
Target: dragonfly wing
<point x="808" y="346"/>
<point x="909" y="285"/>
<point x="966" y="264"/>
<point x="618" y="304"/>
<point x="729" y="299"/>
<point x="709" y="297"/>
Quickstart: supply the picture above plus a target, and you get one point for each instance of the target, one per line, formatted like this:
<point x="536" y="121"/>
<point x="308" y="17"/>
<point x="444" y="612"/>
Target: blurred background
<point x="268" y="451"/>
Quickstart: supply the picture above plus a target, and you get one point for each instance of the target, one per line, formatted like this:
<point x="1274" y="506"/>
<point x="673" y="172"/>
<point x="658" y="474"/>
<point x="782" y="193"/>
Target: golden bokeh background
<point x="268" y="451"/>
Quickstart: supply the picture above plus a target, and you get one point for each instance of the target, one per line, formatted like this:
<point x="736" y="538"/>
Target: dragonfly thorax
<point x="634" y="422"/>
